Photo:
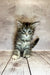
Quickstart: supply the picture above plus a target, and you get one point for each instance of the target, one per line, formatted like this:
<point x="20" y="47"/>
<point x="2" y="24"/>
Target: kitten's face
<point x="26" y="31"/>
<point x="27" y="28"/>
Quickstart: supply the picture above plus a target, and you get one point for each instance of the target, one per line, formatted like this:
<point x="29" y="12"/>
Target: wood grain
<point x="37" y="64"/>
<point x="45" y="55"/>
<point x="4" y="57"/>
<point x="17" y="67"/>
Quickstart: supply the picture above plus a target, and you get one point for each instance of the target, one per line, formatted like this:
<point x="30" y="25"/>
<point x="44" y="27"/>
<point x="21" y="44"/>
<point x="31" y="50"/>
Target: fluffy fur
<point x="24" y="42"/>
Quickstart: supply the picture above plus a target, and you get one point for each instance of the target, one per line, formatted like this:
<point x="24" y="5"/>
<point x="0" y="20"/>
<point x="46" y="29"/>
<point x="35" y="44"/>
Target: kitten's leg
<point x="26" y="53"/>
<point x="34" y="42"/>
<point x="16" y="55"/>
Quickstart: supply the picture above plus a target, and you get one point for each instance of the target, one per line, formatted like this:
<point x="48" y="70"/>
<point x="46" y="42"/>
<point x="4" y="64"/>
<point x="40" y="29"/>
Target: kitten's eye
<point x="30" y="31"/>
<point x="23" y="31"/>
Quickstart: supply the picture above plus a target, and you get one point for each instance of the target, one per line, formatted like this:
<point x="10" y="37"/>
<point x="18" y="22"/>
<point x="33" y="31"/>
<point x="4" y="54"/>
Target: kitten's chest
<point x="25" y="38"/>
<point x="23" y="44"/>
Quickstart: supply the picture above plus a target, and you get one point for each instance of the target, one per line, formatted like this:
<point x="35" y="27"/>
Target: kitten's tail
<point x="34" y="42"/>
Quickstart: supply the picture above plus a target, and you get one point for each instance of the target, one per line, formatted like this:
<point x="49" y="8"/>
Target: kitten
<point x="24" y="41"/>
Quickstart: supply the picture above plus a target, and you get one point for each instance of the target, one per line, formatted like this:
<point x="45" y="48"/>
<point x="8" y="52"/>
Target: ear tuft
<point x="34" y="24"/>
<point x="19" y="24"/>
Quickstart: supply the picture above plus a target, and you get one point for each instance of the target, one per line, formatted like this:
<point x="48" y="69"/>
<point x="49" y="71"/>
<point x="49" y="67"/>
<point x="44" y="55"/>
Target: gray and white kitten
<point x="24" y="42"/>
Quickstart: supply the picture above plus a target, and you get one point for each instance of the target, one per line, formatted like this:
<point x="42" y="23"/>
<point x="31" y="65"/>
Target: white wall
<point x="24" y="10"/>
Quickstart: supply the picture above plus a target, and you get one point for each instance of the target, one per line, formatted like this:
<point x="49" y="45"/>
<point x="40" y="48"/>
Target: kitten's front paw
<point x="27" y="56"/>
<point x="15" y="57"/>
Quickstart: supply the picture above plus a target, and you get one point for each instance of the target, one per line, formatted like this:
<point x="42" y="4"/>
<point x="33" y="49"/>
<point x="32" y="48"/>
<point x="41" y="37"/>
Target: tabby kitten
<point x="24" y="41"/>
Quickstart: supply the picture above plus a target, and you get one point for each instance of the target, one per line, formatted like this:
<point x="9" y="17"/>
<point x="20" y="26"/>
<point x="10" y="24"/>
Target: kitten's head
<point x="27" y="27"/>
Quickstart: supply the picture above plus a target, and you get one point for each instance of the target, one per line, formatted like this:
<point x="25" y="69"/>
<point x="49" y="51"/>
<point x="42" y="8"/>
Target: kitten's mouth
<point x="26" y="34"/>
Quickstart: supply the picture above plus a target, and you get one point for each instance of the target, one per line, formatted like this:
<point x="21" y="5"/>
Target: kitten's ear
<point x="19" y="24"/>
<point x="35" y="24"/>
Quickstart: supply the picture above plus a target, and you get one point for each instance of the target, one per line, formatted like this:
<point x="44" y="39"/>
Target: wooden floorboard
<point x="45" y="56"/>
<point x="17" y="67"/>
<point x="4" y="57"/>
<point x="37" y="64"/>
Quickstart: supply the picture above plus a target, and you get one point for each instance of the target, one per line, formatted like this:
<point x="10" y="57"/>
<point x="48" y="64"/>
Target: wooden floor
<point x="37" y="64"/>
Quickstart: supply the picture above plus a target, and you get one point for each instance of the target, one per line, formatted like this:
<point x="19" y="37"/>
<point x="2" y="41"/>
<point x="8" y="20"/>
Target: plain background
<point x="24" y="10"/>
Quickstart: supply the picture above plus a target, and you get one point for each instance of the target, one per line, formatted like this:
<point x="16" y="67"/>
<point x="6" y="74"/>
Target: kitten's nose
<point x="26" y="34"/>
